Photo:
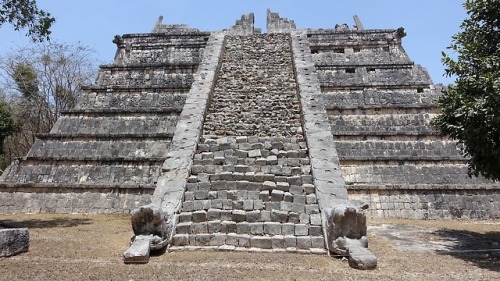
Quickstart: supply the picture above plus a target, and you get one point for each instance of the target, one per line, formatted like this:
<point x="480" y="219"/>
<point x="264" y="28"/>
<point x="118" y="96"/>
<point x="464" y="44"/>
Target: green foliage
<point x="7" y="125"/>
<point x="471" y="107"/>
<point x="26" y="79"/>
<point x="25" y="14"/>
<point x="40" y="81"/>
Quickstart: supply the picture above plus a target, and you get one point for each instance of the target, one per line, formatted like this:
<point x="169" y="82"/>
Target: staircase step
<point x="248" y="241"/>
<point x="255" y="228"/>
<point x="228" y="248"/>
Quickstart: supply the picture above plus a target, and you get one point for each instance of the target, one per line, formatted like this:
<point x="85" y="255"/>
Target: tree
<point x="7" y="123"/>
<point x="40" y="81"/>
<point x="471" y="107"/>
<point x="25" y="14"/>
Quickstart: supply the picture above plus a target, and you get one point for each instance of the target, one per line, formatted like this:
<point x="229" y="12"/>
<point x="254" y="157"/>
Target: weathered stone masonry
<point x="106" y="154"/>
<point x="379" y="105"/>
<point x="250" y="184"/>
<point x="237" y="140"/>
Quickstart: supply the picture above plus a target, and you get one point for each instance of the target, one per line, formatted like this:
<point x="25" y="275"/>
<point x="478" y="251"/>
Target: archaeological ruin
<point x="239" y="140"/>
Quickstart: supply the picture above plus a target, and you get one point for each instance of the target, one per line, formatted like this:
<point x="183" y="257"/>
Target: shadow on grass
<point x="48" y="223"/>
<point x="483" y="250"/>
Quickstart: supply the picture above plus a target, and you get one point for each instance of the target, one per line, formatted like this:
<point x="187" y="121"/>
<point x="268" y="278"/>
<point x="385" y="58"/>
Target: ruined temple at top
<point x="237" y="139"/>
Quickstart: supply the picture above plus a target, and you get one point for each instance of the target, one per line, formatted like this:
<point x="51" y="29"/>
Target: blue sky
<point x="429" y="23"/>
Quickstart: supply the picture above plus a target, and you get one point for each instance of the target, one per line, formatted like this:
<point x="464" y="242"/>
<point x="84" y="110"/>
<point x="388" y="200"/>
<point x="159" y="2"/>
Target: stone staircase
<point x="251" y="186"/>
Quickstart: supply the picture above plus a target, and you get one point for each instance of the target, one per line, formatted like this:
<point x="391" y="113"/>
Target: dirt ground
<point x="90" y="247"/>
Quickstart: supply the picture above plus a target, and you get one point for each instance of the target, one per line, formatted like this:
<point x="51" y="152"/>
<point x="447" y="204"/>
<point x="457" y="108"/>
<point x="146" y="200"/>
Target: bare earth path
<point x="90" y="247"/>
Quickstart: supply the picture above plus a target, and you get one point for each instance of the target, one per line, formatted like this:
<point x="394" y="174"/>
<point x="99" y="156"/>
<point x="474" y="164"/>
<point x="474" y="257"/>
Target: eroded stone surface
<point x="14" y="241"/>
<point x="139" y="251"/>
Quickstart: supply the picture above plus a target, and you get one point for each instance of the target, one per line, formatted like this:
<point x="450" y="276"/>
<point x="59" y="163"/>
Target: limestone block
<point x="226" y="215"/>
<point x="315" y="219"/>
<point x="258" y="205"/>
<point x="283" y="186"/>
<point x="294" y="217"/>
<point x="311" y="198"/>
<point x="232" y="239"/>
<point x="213" y="214"/>
<point x="277" y="195"/>
<point x="248" y="205"/>
<point x="288" y="229"/>
<point x="253" y="216"/>
<point x="203" y="239"/>
<point x="278" y="242"/>
<point x="180" y="240"/>
<point x="268" y="185"/>
<point x="264" y="195"/>
<point x="312" y="209"/>
<point x="199" y="216"/>
<point x="214" y="226"/>
<point x="254" y="153"/>
<point x="298" y="207"/>
<point x="257" y="228"/>
<point x="296" y="190"/>
<point x="303" y="242"/>
<point x="290" y="241"/>
<point x="272" y="228"/>
<point x="238" y="215"/>
<point x="317" y="241"/>
<point x="243" y="228"/>
<point x="200" y="227"/>
<point x="286" y="206"/>
<point x="138" y="252"/>
<point x="279" y="216"/>
<point x="238" y="204"/>
<point x="184" y="227"/>
<point x="272" y="206"/>
<point x="272" y="160"/>
<point x="13" y="241"/>
<point x="262" y="242"/>
<point x="244" y="240"/>
<point x="265" y="215"/>
<point x="217" y="239"/>
<point x="253" y="194"/>
<point x="216" y="204"/>
<point x="301" y="229"/>
<point x="228" y="227"/>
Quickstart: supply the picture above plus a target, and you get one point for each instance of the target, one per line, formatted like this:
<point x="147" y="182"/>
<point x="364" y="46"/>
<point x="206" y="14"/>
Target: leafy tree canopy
<point x="7" y="123"/>
<point x="26" y="79"/>
<point x="471" y="107"/>
<point x="25" y="14"/>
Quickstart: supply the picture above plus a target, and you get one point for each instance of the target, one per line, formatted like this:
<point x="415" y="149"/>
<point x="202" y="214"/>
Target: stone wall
<point x="380" y="106"/>
<point x="432" y="202"/>
<point x="106" y="154"/>
<point x="72" y="199"/>
<point x="378" y="97"/>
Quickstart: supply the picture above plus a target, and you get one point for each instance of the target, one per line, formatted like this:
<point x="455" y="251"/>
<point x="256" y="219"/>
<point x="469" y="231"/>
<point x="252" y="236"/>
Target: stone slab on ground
<point x="14" y="241"/>
<point x="138" y="252"/>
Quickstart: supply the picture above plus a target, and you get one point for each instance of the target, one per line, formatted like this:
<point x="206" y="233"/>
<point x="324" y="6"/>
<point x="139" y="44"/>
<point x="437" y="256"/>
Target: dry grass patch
<point x="90" y="247"/>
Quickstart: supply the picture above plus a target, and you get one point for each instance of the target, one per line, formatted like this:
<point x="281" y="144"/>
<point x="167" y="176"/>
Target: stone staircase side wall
<point x="169" y="192"/>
